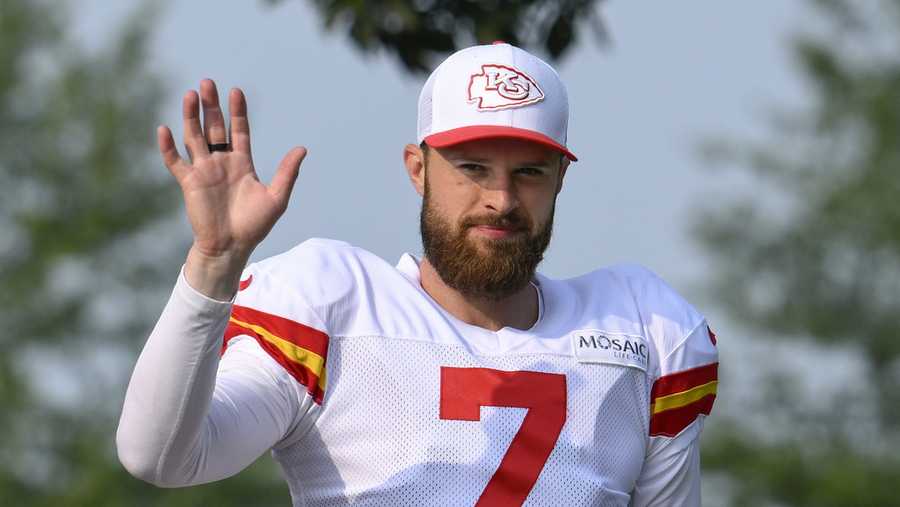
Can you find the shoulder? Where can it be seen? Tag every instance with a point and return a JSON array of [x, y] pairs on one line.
[[639, 288], [320, 255], [667, 315], [320, 280], [686, 376], [292, 303], [674, 328], [319, 267]]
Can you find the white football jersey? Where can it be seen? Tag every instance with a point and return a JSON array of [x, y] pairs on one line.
[[397, 402]]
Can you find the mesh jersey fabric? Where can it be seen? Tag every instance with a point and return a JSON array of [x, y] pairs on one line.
[[368, 346]]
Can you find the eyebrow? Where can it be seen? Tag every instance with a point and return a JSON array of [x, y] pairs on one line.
[[476, 160], [464, 158], [538, 164]]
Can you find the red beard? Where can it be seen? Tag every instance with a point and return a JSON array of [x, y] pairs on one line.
[[493, 270]]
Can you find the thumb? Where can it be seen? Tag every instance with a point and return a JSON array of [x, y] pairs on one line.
[[286, 175]]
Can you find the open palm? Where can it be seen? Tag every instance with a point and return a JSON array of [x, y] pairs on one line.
[[229, 209]]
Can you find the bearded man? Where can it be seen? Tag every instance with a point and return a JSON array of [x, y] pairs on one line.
[[463, 377]]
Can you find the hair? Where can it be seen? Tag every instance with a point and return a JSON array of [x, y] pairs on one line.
[[425, 150]]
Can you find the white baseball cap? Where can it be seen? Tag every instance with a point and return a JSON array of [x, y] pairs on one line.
[[491, 91]]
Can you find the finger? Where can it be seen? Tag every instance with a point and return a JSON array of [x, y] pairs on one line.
[[240, 125], [286, 175], [193, 135], [213, 121], [174, 163]]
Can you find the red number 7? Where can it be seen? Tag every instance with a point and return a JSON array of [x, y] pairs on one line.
[[465, 390]]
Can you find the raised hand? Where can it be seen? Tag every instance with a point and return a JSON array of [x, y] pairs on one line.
[[229, 209]]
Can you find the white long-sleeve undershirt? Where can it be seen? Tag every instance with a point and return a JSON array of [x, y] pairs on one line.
[[187, 419]]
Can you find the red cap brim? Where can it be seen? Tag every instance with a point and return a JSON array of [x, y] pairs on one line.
[[475, 132]]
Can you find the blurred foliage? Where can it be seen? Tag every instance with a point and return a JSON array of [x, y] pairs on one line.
[[810, 473], [815, 251], [420, 32], [86, 259]]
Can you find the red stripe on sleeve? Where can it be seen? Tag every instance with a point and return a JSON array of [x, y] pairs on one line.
[[684, 380], [672, 422], [299, 334]]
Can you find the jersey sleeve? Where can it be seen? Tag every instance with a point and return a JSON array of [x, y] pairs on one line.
[[685, 378], [283, 326], [681, 398], [291, 304]]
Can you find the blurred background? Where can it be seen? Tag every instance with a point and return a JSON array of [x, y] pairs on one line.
[[749, 152]]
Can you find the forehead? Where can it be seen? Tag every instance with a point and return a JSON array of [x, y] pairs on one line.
[[514, 151]]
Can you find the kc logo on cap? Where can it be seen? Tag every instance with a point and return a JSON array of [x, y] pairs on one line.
[[500, 87], [494, 91]]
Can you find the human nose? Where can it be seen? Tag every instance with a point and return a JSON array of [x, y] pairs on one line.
[[500, 195]]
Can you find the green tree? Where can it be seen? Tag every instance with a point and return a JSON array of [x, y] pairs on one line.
[[819, 256], [83, 203], [419, 32]]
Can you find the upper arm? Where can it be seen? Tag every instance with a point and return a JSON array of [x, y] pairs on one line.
[[685, 372], [671, 472], [680, 400]]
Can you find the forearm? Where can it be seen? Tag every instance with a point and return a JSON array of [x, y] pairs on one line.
[[172, 385]]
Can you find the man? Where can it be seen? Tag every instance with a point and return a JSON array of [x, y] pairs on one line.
[[460, 378]]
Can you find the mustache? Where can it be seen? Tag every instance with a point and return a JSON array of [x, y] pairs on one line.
[[513, 220]]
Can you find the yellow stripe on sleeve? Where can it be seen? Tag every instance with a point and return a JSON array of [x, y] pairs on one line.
[[683, 398], [309, 359]]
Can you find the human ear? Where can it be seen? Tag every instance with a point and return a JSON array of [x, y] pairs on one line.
[[563, 166], [414, 160]]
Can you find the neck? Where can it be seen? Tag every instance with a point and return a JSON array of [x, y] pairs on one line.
[[519, 310]]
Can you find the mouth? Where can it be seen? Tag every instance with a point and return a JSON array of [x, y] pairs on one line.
[[496, 232]]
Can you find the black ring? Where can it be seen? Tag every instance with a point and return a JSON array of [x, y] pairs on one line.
[[217, 147]]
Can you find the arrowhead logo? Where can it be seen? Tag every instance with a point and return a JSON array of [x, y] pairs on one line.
[[502, 87], [245, 283]]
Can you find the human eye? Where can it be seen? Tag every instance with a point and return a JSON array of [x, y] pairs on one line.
[[472, 167], [531, 171]]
